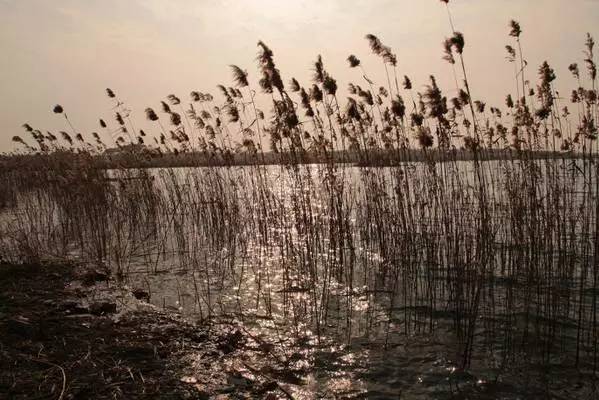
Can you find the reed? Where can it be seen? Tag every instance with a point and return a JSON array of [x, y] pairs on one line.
[[502, 253]]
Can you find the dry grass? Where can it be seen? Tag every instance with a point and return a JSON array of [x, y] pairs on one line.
[[506, 252]]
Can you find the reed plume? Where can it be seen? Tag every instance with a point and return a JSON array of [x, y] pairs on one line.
[[239, 76], [353, 61], [151, 115]]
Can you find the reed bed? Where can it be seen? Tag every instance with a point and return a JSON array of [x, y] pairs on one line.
[[497, 255]]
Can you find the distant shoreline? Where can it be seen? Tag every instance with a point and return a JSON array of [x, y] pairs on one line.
[[374, 158]]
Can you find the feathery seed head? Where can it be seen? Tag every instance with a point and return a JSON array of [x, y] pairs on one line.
[[151, 115], [195, 96], [240, 77], [515, 29], [375, 44], [458, 42], [573, 68], [316, 93], [329, 85], [319, 72], [353, 61], [174, 100], [175, 119], [294, 85]]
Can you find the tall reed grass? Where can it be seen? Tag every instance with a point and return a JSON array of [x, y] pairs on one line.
[[504, 252]]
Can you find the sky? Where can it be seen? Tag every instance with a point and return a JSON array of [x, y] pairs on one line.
[[69, 51]]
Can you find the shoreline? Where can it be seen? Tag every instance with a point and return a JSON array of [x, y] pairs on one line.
[[146, 158], [62, 337]]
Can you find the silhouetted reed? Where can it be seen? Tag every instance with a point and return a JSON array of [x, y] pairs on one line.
[[491, 234]]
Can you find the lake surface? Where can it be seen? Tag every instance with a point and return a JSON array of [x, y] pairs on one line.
[[451, 280]]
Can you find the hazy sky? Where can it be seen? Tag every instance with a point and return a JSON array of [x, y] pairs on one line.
[[69, 51]]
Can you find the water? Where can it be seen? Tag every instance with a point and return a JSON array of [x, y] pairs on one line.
[[367, 275]]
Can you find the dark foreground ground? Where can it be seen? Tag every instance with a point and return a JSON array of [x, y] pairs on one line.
[[59, 339]]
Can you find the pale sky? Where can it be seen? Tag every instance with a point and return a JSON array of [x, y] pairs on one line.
[[69, 51]]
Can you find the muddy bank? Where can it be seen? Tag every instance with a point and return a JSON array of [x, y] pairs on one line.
[[66, 333]]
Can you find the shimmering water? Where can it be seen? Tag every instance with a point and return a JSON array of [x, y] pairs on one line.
[[367, 279]]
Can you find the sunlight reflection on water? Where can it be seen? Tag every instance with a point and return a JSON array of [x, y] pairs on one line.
[[287, 277], [274, 298]]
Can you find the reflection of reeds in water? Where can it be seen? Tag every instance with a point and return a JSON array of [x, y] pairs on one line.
[[505, 253]]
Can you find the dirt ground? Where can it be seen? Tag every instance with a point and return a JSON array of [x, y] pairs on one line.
[[56, 342]]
